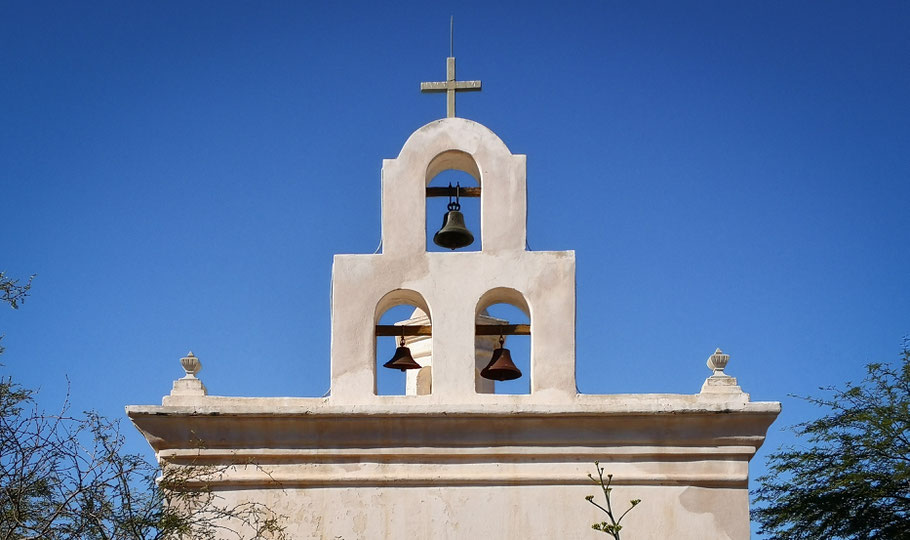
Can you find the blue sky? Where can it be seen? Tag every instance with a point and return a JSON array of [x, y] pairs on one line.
[[179, 176]]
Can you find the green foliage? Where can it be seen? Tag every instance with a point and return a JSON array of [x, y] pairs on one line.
[[613, 526], [12, 293], [65, 477], [851, 476]]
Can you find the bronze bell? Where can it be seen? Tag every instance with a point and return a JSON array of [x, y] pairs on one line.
[[501, 367], [402, 358], [453, 234]]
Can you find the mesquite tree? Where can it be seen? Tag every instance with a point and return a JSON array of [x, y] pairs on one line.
[[64, 476], [849, 477]]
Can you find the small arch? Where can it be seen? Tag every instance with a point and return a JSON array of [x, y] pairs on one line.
[[398, 297], [503, 295], [504, 305], [402, 306], [453, 160]]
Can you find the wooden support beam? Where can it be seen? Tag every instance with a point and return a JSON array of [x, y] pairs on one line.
[[480, 330], [505, 329], [410, 330], [444, 192]]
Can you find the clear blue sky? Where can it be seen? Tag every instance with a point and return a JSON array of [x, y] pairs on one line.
[[179, 175]]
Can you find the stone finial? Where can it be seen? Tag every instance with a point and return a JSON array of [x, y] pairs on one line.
[[719, 382], [192, 365], [716, 362], [189, 384]]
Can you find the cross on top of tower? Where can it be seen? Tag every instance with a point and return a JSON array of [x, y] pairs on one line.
[[450, 85]]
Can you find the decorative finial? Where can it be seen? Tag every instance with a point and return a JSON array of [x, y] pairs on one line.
[[191, 365], [450, 85], [717, 362], [188, 386], [720, 385]]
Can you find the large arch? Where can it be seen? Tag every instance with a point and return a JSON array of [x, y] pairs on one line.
[[438, 133], [462, 145]]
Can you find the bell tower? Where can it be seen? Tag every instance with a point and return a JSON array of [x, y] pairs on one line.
[[452, 288]]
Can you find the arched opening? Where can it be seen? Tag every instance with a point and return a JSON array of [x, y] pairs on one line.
[[503, 310], [458, 169], [403, 314]]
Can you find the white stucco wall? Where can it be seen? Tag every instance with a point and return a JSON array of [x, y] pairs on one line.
[[504, 513]]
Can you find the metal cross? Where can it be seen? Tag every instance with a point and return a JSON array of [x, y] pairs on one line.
[[450, 86]]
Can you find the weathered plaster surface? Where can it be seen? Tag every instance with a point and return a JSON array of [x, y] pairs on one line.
[[504, 513], [513, 469]]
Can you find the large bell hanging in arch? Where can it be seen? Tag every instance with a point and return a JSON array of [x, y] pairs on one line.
[[501, 367], [453, 234], [402, 358]]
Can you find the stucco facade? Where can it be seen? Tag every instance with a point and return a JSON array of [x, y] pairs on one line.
[[455, 460]]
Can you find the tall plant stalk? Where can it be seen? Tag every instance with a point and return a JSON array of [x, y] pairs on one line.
[[611, 527]]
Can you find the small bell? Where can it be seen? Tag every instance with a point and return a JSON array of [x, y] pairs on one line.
[[501, 367], [453, 234], [402, 358]]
